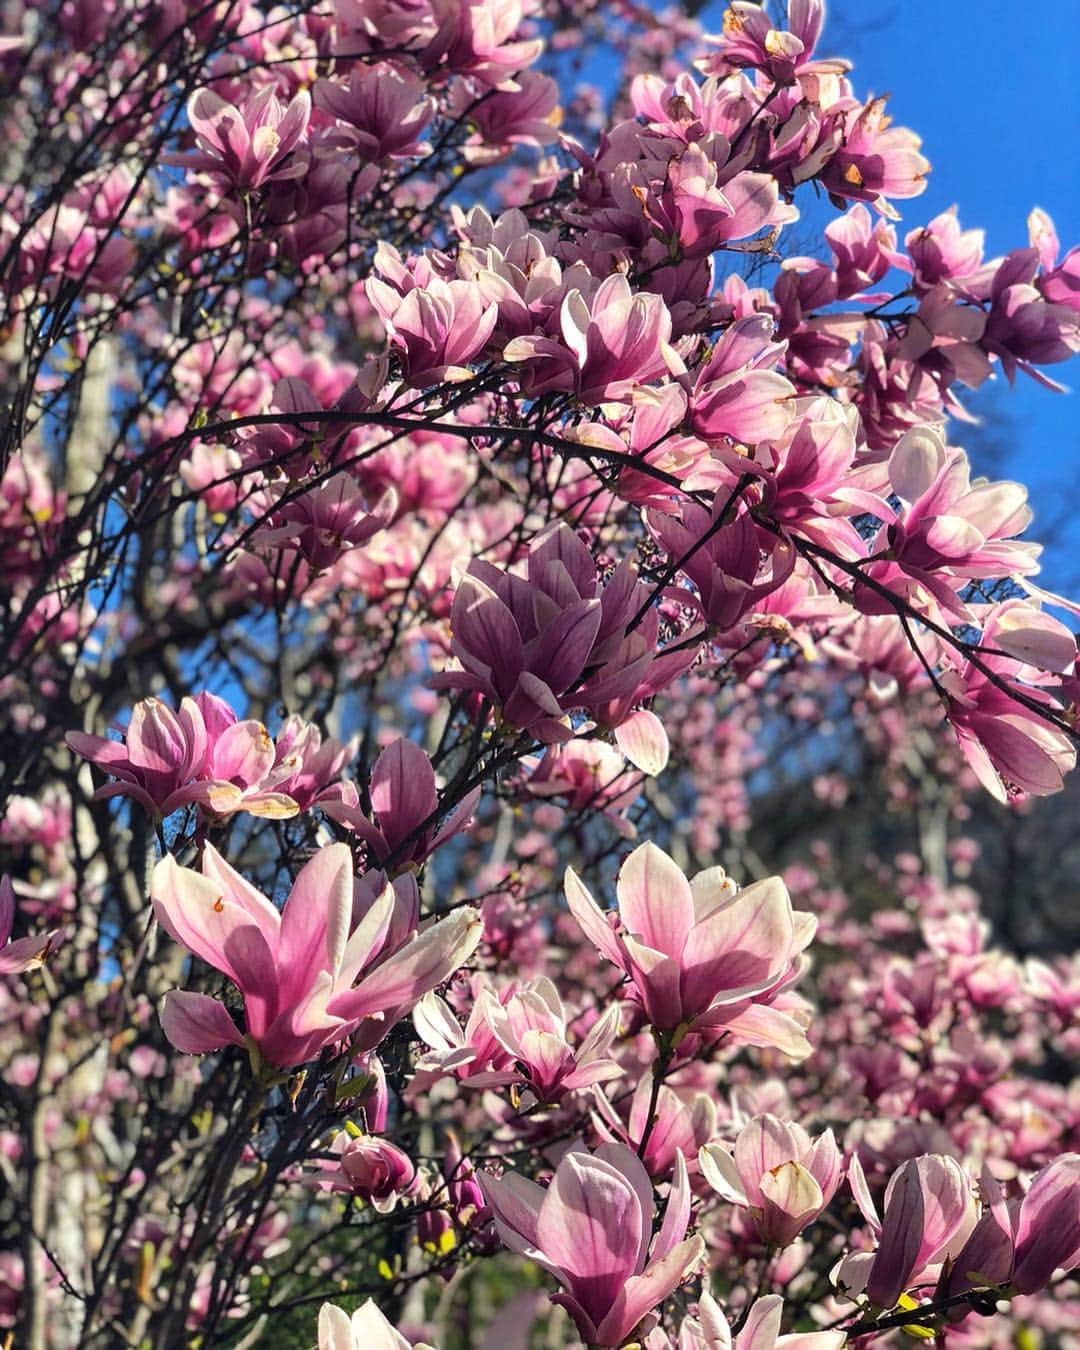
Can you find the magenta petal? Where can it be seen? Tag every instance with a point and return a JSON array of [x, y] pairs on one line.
[[314, 922], [402, 790], [642, 1293], [195, 1023], [655, 901]]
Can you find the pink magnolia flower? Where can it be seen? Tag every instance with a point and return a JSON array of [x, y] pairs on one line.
[[592, 1228], [476, 38], [1023, 329], [875, 160], [437, 328], [384, 106], [523, 641], [942, 251], [324, 522], [1009, 746], [863, 250], [531, 1027], [241, 753], [948, 530], [24, 953], [213, 473], [526, 115], [296, 968], [775, 1172], [160, 761], [928, 1216], [474, 1055], [371, 1168], [607, 345], [404, 802], [250, 146], [709, 1330], [591, 776], [306, 767], [692, 215], [555, 639], [1058, 281], [366, 1329], [1024, 1241], [748, 39], [691, 948], [738, 393], [727, 564], [682, 1123]]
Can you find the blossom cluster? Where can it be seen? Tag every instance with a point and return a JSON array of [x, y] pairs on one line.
[[587, 954]]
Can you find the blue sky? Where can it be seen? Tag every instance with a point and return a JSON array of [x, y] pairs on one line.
[[991, 87]]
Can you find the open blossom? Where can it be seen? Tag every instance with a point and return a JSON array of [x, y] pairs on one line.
[[323, 522], [241, 753], [296, 968], [760, 1330], [700, 954], [540, 645], [775, 1172], [384, 108], [1010, 747], [366, 1329], [948, 529], [749, 39], [607, 344], [248, 146], [160, 761], [875, 160], [592, 1228], [526, 115], [436, 328], [306, 767], [474, 37], [531, 1026], [727, 565], [929, 1213], [738, 394], [1022, 1242], [24, 953], [474, 1055], [681, 1124], [588, 775]]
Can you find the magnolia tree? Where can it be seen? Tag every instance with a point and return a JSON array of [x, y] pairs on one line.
[[433, 496]]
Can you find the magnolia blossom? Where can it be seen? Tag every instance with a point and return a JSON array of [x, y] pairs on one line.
[[708, 1329], [323, 522], [607, 344], [373, 1169], [296, 968], [928, 1216], [1009, 745], [555, 639], [948, 530], [1022, 1242], [777, 1174], [366, 1329], [531, 1026], [250, 146], [681, 1123], [161, 760], [700, 954], [592, 1228]]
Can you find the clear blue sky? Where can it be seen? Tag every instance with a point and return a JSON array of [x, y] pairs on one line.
[[992, 88]]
